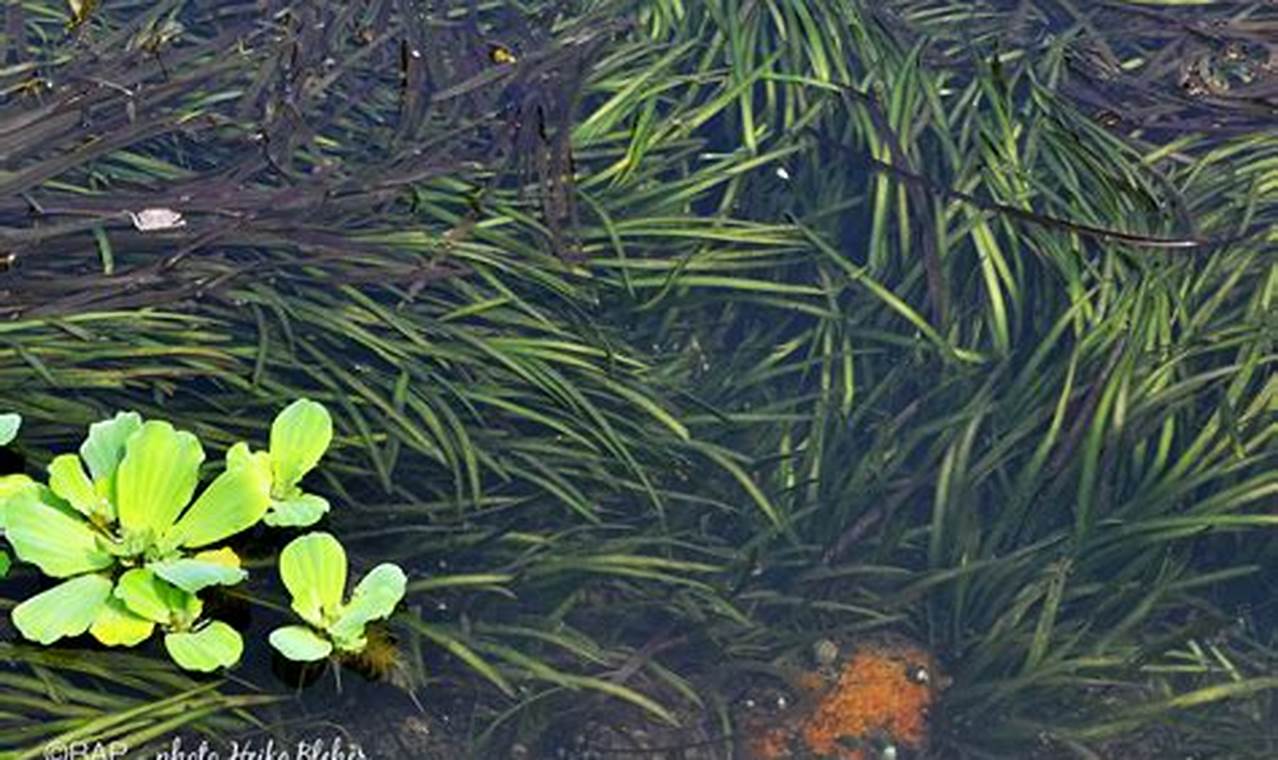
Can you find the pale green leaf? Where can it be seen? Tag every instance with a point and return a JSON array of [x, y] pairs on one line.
[[4, 564], [313, 568], [9, 424], [157, 477], [191, 575], [103, 449], [215, 645], [299, 643], [11, 486], [59, 543], [157, 600], [298, 512], [299, 436], [240, 455], [224, 556], [68, 480], [67, 609], [374, 598], [117, 625], [235, 501]]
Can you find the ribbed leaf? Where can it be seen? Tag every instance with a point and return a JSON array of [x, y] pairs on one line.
[[157, 477], [374, 598], [57, 542], [191, 575], [299, 437], [298, 512], [157, 600], [299, 643], [67, 609], [236, 500], [117, 625], [9, 424], [313, 568], [11, 486], [103, 449], [214, 646], [68, 480]]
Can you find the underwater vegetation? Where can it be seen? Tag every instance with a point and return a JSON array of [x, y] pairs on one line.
[[659, 342]]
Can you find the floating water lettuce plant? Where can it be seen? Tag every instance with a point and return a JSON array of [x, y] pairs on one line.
[[313, 568], [299, 437], [131, 545], [127, 542]]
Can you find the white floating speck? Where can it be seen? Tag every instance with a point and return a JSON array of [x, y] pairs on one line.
[[156, 219]]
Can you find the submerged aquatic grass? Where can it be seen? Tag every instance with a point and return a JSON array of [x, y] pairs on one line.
[[671, 340]]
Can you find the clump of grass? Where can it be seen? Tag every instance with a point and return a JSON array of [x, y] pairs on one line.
[[813, 326]]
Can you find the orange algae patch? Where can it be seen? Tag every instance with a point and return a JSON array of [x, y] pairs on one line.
[[883, 693], [877, 693]]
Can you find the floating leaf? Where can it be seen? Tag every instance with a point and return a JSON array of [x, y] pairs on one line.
[[236, 500], [374, 598], [68, 480], [299, 512], [117, 625], [214, 646], [191, 575], [67, 609], [157, 477], [299, 643], [103, 449], [9, 424], [313, 568], [155, 599], [11, 486], [57, 542], [299, 437]]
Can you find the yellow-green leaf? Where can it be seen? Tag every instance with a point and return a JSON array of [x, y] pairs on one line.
[[313, 568], [59, 543], [374, 598], [116, 625], [68, 480], [299, 437], [236, 500], [157, 477], [214, 646], [299, 643], [67, 609]]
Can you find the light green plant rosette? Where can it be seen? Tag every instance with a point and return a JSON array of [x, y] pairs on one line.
[[131, 544], [313, 568], [299, 437]]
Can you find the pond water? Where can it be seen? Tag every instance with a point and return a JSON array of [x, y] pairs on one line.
[[729, 379]]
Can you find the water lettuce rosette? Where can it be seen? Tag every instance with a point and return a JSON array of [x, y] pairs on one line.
[[299, 437], [130, 543], [313, 568]]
